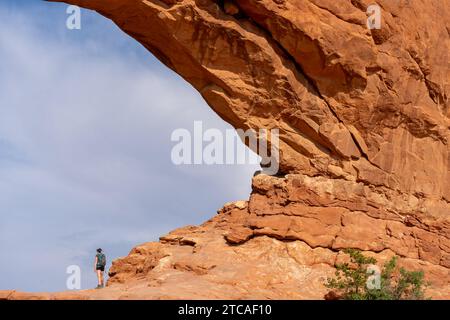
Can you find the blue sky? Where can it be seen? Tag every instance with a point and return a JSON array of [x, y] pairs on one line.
[[85, 123]]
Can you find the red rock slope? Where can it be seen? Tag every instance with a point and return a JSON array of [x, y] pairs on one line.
[[364, 152]]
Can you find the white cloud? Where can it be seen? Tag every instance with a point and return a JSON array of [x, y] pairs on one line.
[[85, 150]]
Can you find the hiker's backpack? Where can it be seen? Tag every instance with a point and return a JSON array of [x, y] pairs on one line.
[[101, 260]]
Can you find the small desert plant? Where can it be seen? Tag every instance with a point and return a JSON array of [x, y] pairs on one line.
[[353, 281]]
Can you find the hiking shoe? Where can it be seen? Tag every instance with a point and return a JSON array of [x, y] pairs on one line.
[[98, 287]]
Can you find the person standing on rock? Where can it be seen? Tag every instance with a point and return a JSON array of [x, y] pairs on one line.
[[100, 263]]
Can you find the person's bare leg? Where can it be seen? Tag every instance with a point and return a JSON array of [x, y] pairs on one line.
[[99, 277], [102, 280]]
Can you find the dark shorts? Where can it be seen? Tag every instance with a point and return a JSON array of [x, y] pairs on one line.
[[101, 268]]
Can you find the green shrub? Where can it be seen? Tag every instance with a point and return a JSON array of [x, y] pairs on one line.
[[352, 279]]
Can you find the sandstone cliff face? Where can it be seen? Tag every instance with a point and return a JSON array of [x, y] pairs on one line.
[[364, 121], [283, 243]]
